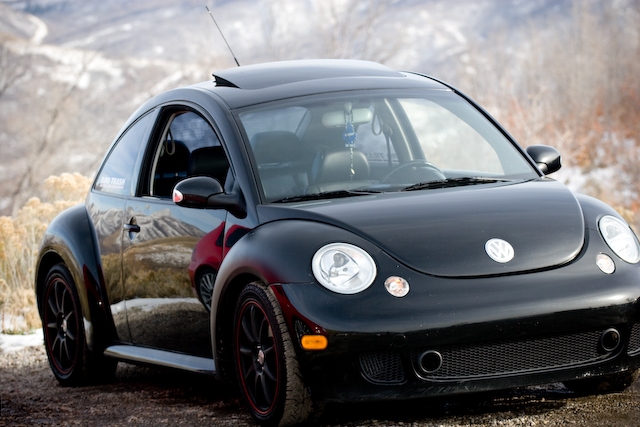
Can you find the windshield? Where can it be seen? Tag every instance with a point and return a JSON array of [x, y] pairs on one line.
[[355, 143]]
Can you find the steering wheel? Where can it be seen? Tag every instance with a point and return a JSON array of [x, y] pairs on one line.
[[414, 172]]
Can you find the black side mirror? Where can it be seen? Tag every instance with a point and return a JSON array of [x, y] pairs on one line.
[[547, 158], [207, 192]]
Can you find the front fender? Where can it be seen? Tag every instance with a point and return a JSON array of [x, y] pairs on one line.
[[278, 252], [594, 209], [71, 239]]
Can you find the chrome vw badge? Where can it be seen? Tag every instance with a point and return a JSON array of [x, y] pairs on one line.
[[499, 250]]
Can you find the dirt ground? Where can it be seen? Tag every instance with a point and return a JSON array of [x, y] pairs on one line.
[[141, 396]]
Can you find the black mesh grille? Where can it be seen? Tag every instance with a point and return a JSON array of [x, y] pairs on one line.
[[634, 340], [510, 357], [383, 367]]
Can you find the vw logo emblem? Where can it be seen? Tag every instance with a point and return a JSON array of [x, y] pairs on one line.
[[499, 250]]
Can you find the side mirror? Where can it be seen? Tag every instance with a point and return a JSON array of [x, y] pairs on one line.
[[207, 192], [194, 192], [547, 158]]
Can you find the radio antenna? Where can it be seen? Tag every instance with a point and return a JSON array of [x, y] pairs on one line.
[[225, 40]]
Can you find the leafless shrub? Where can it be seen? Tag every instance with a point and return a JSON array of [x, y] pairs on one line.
[[573, 86], [20, 238]]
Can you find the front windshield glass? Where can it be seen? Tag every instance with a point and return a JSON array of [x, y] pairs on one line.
[[374, 141]]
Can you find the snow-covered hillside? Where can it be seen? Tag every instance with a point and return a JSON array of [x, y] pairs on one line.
[[84, 66]]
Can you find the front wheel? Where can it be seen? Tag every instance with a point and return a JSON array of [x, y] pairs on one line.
[[64, 337], [266, 363], [605, 384]]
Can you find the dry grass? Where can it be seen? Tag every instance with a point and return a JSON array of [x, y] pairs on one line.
[[20, 238]]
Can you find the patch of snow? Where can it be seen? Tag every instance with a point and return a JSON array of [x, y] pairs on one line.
[[148, 304], [9, 343], [5, 202]]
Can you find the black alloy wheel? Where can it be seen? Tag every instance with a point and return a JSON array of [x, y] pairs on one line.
[[266, 363], [64, 336], [61, 322]]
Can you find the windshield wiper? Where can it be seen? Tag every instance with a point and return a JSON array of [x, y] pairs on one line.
[[454, 182], [327, 195]]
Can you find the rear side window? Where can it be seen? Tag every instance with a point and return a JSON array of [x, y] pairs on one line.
[[116, 175]]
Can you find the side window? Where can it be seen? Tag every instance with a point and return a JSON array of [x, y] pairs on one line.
[[116, 175], [188, 147]]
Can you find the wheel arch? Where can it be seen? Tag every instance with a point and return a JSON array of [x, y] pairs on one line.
[[268, 255], [71, 239], [221, 317]]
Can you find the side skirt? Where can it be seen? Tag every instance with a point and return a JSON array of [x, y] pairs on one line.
[[168, 359]]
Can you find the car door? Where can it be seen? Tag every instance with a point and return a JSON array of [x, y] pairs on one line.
[[164, 310], [106, 203]]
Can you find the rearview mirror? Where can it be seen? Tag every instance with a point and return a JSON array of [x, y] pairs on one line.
[[547, 158]]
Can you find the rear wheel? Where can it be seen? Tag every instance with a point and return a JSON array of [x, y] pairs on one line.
[[266, 364], [64, 337], [606, 384]]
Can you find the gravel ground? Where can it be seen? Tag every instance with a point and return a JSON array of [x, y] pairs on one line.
[[139, 396]]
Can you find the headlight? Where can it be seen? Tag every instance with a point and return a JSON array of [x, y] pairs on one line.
[[343, 268], [620, 238]]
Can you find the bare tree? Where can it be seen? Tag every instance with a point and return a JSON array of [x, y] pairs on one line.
[[13, 65], [354, 29]]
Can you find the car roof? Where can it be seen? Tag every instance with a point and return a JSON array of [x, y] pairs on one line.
[[255, 84]]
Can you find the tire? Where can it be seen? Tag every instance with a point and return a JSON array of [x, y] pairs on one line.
[[64, 337], [606, 384], [266, 365]]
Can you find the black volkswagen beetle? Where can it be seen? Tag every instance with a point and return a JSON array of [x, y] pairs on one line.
[[335, 230]]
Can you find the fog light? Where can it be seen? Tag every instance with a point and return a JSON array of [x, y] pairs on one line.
[[605, 263], [610, 340], [397, 286], [430, 361], [314, 342]]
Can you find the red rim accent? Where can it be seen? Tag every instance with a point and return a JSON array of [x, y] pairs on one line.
[[246, 363]]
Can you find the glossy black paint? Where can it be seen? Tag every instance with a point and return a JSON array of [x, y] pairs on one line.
[[137, 259], [547, 158], [71, 239]]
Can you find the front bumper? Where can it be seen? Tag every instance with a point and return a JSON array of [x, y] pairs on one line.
[[489, 333]]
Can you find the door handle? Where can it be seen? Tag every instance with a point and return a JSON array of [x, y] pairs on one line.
[[132, 228]]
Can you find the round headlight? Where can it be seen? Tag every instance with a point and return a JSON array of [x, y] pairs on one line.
[[343, 268], [620, 238]]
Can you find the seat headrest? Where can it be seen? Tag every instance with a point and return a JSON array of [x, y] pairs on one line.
[[333, 166], [276, 147], [208, 161]]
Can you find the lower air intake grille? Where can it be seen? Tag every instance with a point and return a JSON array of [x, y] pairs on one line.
[[512, 357], [383, 367], [634, 340]]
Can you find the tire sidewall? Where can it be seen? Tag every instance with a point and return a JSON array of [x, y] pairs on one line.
[[60, 274], [253, 294]]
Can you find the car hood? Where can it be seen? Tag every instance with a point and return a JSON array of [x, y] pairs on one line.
[[443, 232]]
